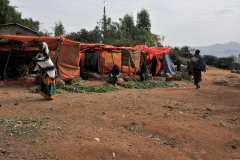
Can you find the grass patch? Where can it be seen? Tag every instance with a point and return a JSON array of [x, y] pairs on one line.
[[148, 84], [19, 125]]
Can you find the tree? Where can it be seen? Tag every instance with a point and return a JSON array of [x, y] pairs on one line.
[[9, 14], [30, 23], [239, 58], [58, 29], [4, 5], [143, 20], [128, 25], [210, 60]]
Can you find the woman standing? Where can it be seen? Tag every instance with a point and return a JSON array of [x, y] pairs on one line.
[[47, 74]]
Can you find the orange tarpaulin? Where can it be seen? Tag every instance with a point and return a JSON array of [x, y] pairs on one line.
[[67, 58], [70, 52], [155, 51]]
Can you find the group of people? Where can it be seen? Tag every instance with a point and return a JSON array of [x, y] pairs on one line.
[[194, 68], [114, 73]]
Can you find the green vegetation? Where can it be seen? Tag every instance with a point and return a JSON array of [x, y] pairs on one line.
[[19, 125], [182, 54], [148, 84], [77, 88], [9, 14], [35, 89], [223, 63], [122, 33]]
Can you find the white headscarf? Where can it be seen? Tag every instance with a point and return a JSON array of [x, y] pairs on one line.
[[44, 61]]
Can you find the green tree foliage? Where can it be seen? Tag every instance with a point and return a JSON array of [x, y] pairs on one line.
[[58, 29], [238, 58], [128, 26], [122, 33], [225, 62], [182, 54], [143, 20], [210, 60], [9, 14], [30, 23]]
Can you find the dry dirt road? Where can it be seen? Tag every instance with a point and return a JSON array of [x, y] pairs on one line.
[[161, 123]]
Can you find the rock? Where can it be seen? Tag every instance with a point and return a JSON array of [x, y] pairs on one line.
[[72, 81], [97, 139], [137, 77], [127, 78], [120, 81], [209, 109], [234, 146], [177, 77], [60, 83], [233, 71], [3, 151], [16, 103], [169, 77]]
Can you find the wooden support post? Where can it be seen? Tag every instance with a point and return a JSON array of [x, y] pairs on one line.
[[7, 61]]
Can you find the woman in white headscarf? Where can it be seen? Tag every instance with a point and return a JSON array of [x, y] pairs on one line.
[[47, 72]]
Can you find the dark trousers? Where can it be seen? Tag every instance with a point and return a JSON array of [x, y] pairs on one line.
[[197, 76]]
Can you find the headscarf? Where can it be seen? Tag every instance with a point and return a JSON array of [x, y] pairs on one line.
[[43, 60], [115, 70]]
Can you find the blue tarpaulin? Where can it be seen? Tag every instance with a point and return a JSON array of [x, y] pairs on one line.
[[168, 65]]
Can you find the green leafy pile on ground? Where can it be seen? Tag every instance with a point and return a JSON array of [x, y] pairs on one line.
[[148, 84], [78, 88], [35, 89]]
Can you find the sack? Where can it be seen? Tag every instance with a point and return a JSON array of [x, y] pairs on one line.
[[193, 61]]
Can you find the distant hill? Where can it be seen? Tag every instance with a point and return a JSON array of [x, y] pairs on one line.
[[220, 50]]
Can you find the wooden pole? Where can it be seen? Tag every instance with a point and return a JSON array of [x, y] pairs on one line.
[[7, 61], [102, 65], [129, 63], [57, 52]]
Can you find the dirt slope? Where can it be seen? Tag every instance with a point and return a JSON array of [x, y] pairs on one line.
[[161, 123]]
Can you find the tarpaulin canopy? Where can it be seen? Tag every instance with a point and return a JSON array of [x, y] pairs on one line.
[[155, 51], [63, 52], [66, 54]]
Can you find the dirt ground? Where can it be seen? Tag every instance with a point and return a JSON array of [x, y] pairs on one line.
[[161, 123]]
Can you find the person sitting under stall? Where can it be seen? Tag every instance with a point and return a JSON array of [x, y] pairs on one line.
[[113, 75], [144, 71]]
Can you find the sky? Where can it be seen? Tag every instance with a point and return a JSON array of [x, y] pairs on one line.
[[182, 22]]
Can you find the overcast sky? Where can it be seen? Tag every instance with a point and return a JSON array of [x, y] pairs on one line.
[[183, 22]]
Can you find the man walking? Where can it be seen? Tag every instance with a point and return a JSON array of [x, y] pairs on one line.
[[199, 66]]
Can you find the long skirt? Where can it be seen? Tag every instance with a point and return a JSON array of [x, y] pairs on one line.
[[47, 86]]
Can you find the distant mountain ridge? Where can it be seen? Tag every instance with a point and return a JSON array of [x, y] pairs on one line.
[[220, 50]]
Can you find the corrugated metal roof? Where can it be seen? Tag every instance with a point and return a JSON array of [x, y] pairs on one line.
[[18, 25]]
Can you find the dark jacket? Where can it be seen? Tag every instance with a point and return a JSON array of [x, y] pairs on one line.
[[201, 65]]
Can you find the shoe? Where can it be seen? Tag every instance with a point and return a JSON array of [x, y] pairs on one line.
[[197, 86]]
